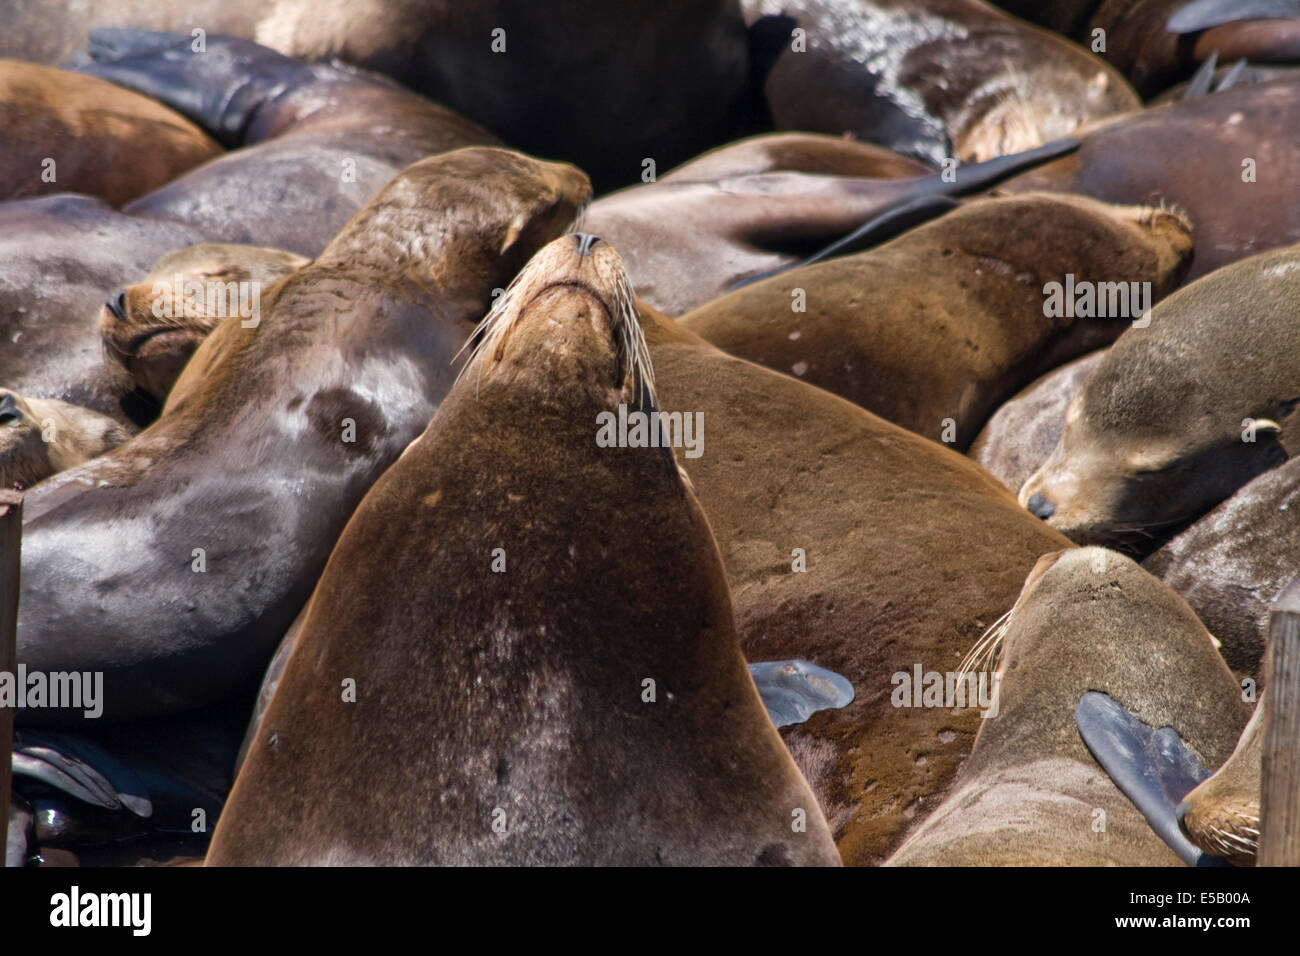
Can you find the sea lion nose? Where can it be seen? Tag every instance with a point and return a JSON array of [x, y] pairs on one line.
[[117, 306], [586, 242], [1040, 507]]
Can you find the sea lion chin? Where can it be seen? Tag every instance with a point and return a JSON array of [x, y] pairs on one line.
[[585, 701]]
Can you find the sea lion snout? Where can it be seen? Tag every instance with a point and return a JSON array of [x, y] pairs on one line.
[[1040, 507], [585, 243], [117, 305]]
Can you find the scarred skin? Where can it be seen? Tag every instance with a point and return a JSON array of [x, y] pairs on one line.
[[932, 78]]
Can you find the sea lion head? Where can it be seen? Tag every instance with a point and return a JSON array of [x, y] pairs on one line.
[[152, 327], [518, 204], [1092, 619], [569, 316], [40, 437]]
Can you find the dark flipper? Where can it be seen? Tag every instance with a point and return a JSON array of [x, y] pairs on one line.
[[1203, 14], [1152, 767], [220, 88], [793, 691], [926, 199], [897, 218], [80, 768]]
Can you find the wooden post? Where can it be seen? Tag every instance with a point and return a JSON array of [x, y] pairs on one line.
[[11, 535], [1279, 837]]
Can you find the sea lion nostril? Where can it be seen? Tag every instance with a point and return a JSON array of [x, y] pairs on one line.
[[586, 242], [117, 306], [1040, 507]]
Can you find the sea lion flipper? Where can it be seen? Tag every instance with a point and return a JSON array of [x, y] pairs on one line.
[[220, 87], [1203, 14], [792, 691], [1153, 768], [81, 769], [976, 177]]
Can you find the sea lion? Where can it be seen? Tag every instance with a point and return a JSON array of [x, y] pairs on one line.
[[323, 142], [932, 78], [1030, 793], [1025, 429], [689, 238], [1168, 425], [1235, 156], [195, 543], [978, 277], [40, 437], [836, 531], [531, 739], [152, 327], [1233, 563], [64, 132], [319, 140], [1221, 816], [1157, 42], [647, 79]]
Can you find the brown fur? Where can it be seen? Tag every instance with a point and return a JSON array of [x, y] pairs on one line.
[[150, 350], [75, 435], [1221, 816], [1232, 564], [1210, 136], [521, 690], [270, 438], [1155, 436], [105, 141], [1025, 429], [744, 209], [912, 550], [948, 319], [1087, 619]]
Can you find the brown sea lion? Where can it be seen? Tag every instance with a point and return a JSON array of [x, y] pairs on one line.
[[1236, 159], [196, 543], [931, 78], [933, 329], [1156, 42], [1025, 429], [836, 531], [1181, 413], [690, 238], [323, 142], [42, 436], [1234, 562], [152, 327], [1031, 794], [64, 132], [1221, 816], [319, 140], [531, 736], [561, 80]]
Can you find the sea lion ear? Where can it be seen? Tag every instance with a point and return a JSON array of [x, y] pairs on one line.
[[513, 232], [1267, 425]]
